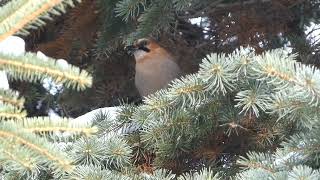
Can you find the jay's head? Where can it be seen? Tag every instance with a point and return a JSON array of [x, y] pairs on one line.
[[146, 49]]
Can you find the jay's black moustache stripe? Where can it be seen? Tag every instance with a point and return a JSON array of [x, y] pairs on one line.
[[144, 49]]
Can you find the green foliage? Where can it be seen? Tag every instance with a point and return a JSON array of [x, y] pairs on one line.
[[29, 67], [218, 70], [11, 112], [35, 152], [9, 97], [203, 174], [89, 173], [130, 9], [152, 16], [113, 27], [113, 150], [155, 18], [46, 126]]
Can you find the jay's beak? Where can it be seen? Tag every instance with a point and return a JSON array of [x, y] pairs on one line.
[[130, 49]]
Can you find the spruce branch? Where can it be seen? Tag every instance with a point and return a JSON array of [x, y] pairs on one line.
[[19, 159], [294, 172], [304, 172], [157, 17], [254, 99], [180, 5], [97, 172], [141, 115], [243, 59], [259, 174], [90, 172], [31, 68], [293, 81], [44, 125], [258, 161], [125, 113], [205, 173], [20, 15], [128, 9], [287, 72], [118, 153], [53, 158], [105, 122], [288, 106], [88, 151], [11, 112], [169, 136], [159, 174], [188, 91], [217, 71], [111, 149], [303, 147], [280, 73], [157, 102], [299, 149], [10, 97]]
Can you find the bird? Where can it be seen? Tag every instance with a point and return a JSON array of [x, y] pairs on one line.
[[155, 66]]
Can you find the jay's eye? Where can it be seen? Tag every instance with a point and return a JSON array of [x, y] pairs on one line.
[[142, 45]]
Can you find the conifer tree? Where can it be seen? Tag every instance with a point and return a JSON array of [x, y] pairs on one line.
[[242, 115]]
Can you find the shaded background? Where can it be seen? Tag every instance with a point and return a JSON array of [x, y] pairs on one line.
[[92, 36]]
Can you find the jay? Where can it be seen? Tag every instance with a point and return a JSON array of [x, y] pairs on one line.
[[155, 67]]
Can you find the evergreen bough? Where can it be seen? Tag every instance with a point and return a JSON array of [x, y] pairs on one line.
[[270, 100]]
